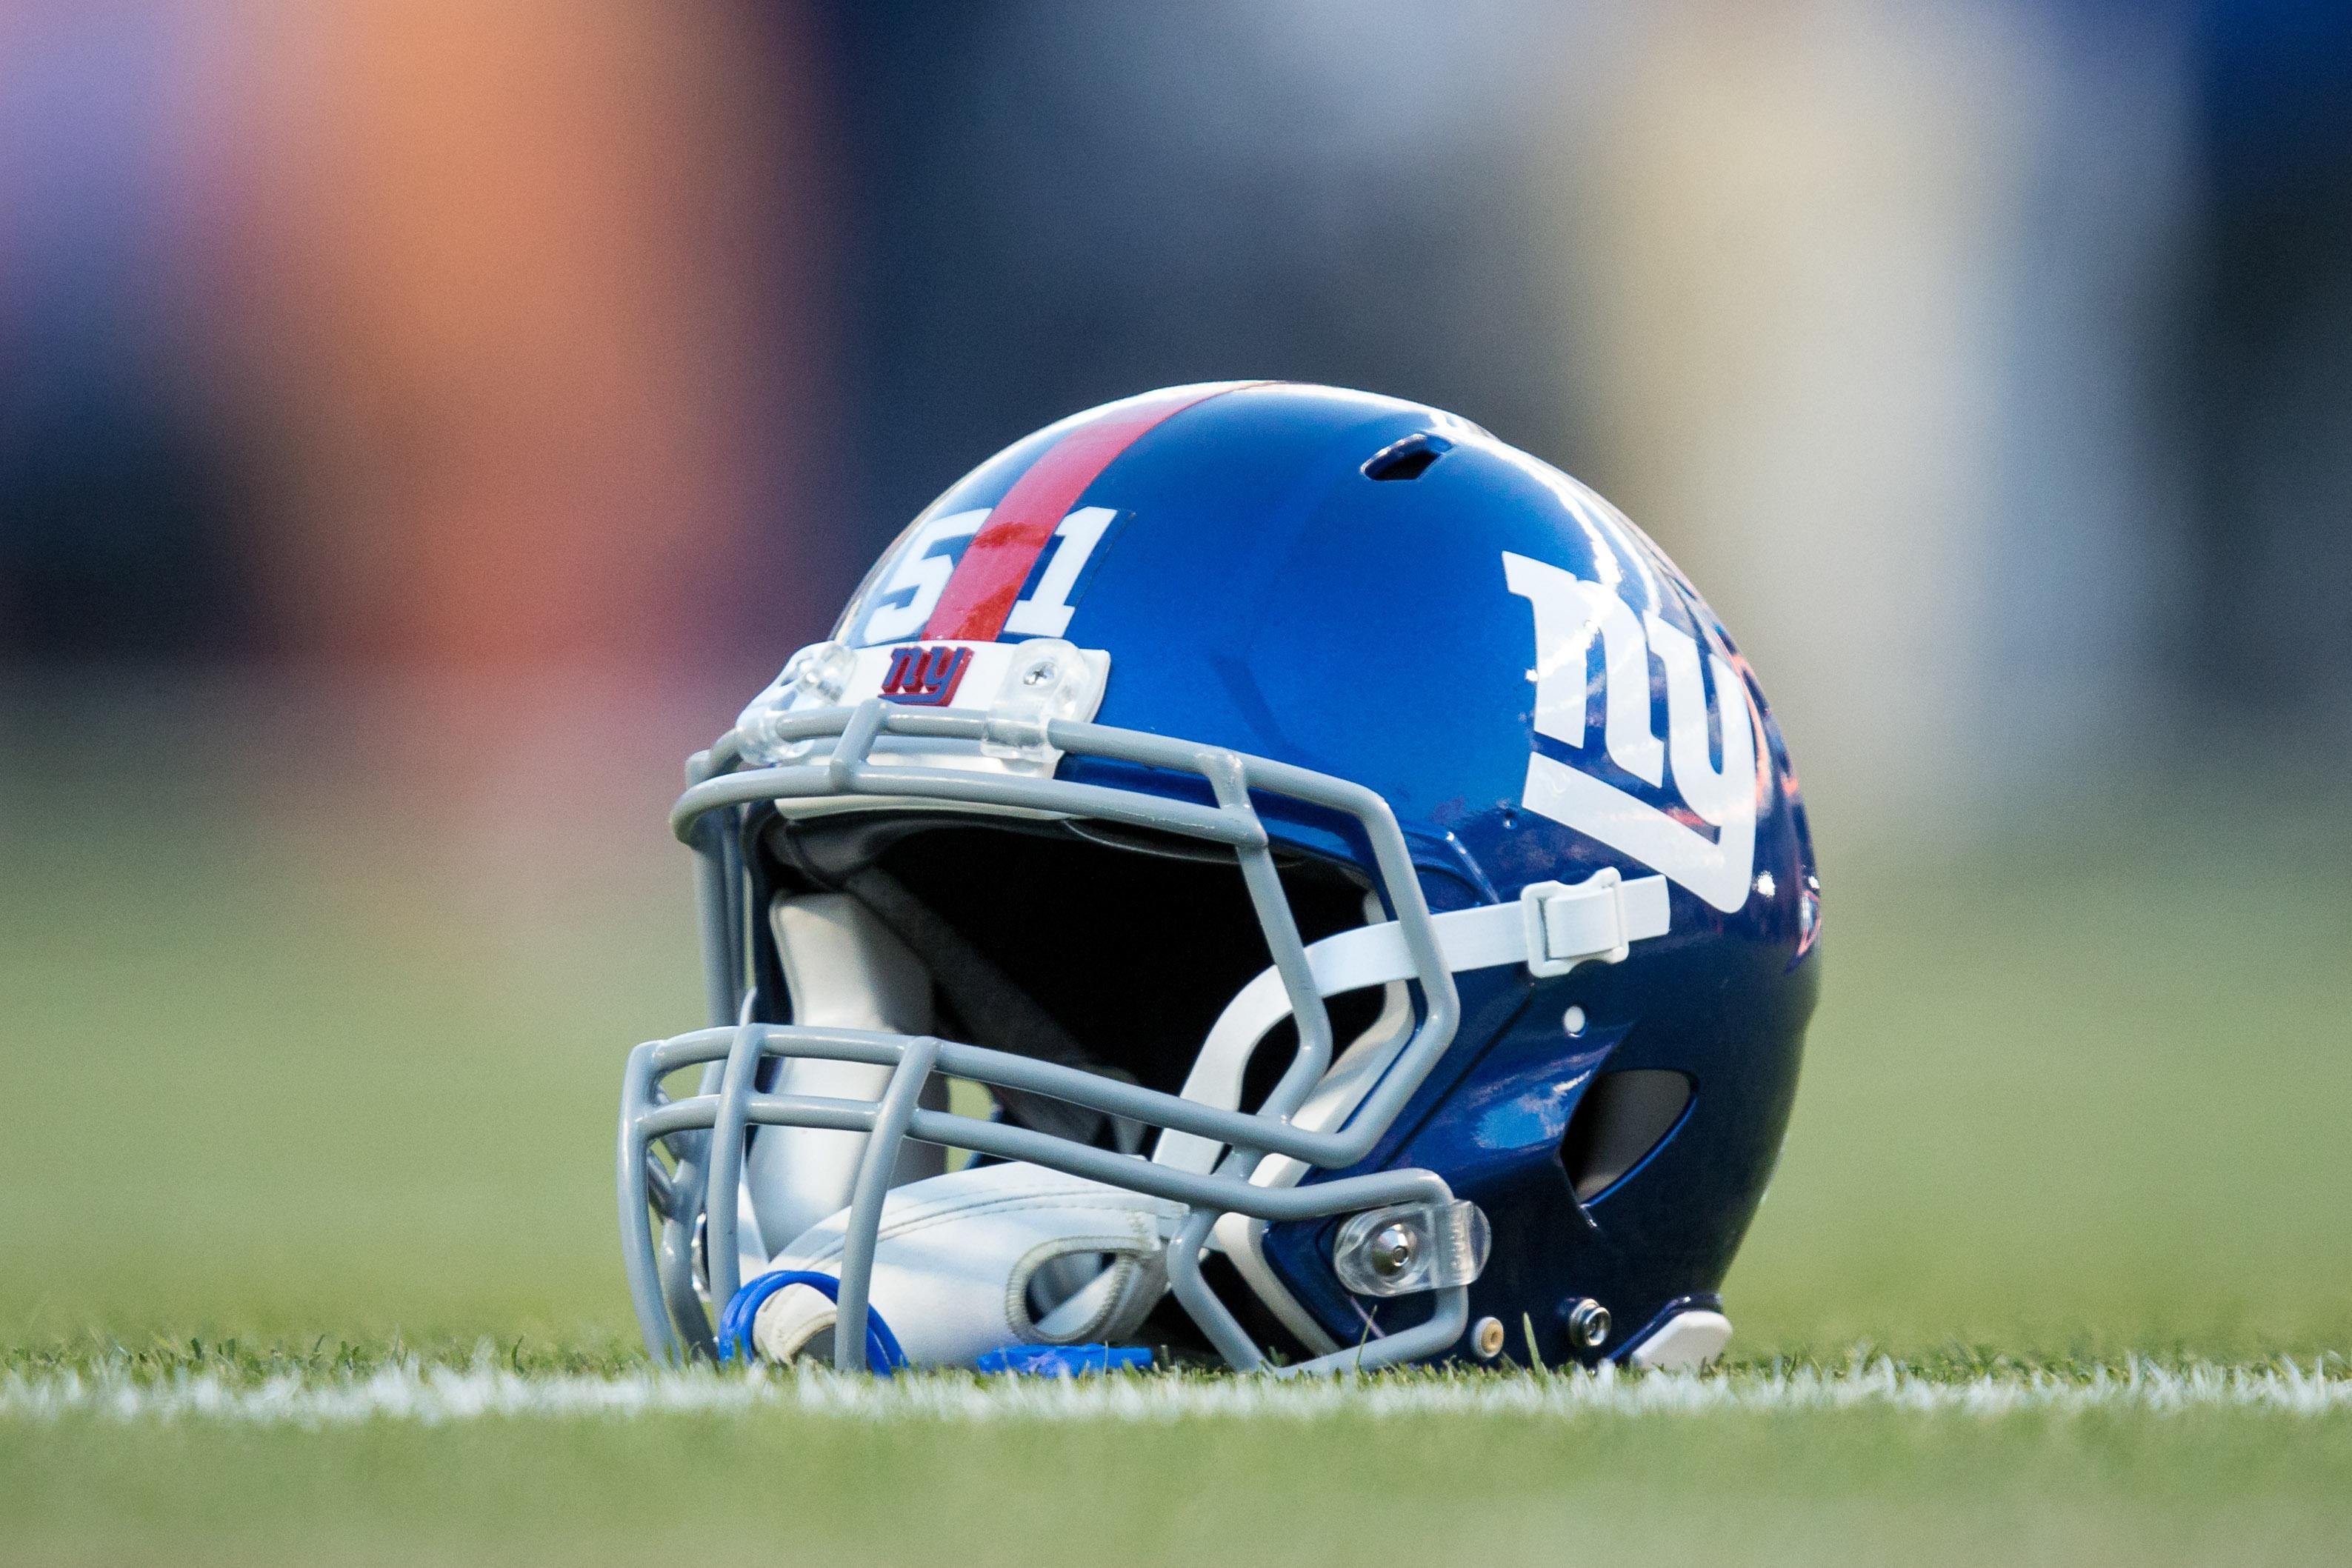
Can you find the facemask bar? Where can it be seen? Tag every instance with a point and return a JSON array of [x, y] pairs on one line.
[[705, 1131]]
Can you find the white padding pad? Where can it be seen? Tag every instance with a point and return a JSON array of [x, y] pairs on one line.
[[843, 969], [957, 1255]]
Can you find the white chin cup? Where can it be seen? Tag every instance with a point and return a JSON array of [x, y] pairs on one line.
[[984, 1258]]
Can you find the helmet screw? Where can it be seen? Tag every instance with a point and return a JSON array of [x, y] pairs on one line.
[[1587, 1322], [1486, 1338], [1572, 1020], [1392, 1250], [1038, 673]]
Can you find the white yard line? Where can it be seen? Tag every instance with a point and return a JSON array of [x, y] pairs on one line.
[[433, 1393]]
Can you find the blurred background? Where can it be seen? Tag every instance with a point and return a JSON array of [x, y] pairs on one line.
[[421, 423]]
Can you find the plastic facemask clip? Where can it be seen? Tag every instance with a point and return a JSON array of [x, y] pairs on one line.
[[817, 676], [1411, 1246], [1051, 680]]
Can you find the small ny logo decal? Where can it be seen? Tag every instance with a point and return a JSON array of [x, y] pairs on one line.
[[924, 676]]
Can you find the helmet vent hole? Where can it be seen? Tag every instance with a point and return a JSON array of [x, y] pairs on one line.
[[1622, 1117], [1406, 459]]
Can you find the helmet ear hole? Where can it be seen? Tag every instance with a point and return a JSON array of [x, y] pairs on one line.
[[1622, 1117]]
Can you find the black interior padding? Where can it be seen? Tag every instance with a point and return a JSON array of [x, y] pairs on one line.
[[1134, 954], [997, 1013], [1056, 941]]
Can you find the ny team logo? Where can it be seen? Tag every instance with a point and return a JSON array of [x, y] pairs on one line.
[[1570, 614], [924, 676]]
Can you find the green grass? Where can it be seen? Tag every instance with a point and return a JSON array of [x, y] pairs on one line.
[[780, 1482], [297, 1063], [783, 1488]]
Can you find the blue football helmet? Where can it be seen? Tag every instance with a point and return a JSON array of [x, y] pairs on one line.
[[1258, 871]]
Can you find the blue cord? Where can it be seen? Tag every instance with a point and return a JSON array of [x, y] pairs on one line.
[[883, 1355]]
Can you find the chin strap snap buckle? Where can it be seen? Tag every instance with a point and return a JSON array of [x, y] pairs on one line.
[[1596, 920]]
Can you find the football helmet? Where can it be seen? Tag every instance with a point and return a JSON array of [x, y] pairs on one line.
[[1263, 871]]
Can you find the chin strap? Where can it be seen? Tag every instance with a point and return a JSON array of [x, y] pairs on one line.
[[1551, 928]]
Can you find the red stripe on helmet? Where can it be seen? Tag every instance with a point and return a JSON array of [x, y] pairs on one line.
[[979, 595]]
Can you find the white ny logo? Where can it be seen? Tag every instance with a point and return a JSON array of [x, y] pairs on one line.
[[1568, 614]]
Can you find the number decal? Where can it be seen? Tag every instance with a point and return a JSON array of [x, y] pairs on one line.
[[900, 603], [903, 600], [1046, 607]]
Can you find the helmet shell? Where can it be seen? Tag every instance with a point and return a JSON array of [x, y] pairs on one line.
[[1266, 585]]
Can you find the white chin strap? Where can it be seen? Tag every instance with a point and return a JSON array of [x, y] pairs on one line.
[[1551, 929], [975, 1261], [981, 1258]]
